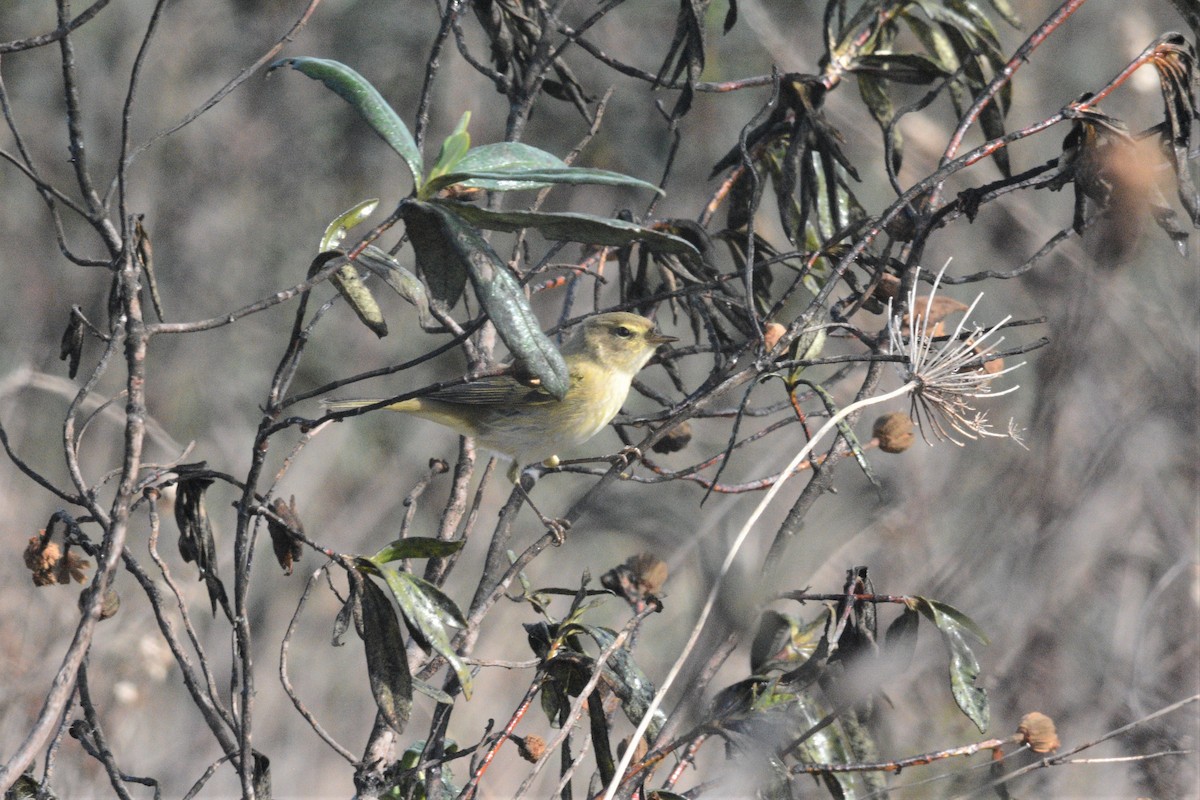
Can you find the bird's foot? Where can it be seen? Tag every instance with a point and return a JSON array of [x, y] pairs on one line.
[[623, 460], [557, 527]]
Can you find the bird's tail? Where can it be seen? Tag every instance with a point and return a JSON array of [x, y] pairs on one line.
[[345, 404]]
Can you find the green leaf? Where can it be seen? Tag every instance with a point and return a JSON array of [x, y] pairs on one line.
[[573, 227], [515, 178], [505, 157], [433, 693], [367, 101], [453, 149], [498, 291], [335, 232], [415, 547], [438, 261], [1006, 12], [964, 666], [945, 614], [429, 614], [387, 666]]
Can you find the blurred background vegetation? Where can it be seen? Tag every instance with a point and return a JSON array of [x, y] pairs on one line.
[[1078, 556]]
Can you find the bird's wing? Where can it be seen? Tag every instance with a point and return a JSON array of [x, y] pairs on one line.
[[493, 390]]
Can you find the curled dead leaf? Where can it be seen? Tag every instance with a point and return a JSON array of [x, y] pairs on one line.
[[48, 565], [772, 333], [937, 310], [286, 546]]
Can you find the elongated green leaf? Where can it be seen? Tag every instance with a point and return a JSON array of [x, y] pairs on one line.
[[568, 226], [415, 547], [387, 666], [366, 99], [515, 178], [504, 156], [453, 149], [432, 692], [451, 237], [964, 666], [964, 671], [430, 614], [439, 263]]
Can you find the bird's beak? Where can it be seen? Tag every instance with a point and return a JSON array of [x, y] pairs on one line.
[[655, 338]]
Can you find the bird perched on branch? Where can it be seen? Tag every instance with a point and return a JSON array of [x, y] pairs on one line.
[[523, 422]]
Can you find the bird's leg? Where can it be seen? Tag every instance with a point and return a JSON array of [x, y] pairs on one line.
[[558, 527]]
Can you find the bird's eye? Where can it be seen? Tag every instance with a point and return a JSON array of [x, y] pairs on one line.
[[623, 332]]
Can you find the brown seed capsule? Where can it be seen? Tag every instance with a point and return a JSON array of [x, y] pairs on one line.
[[531, 748], [109, 605], [1038, 732], [888, 287], [675, 439], [894, 432]]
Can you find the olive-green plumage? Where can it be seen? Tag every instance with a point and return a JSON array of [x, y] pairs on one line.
[[525, 423]]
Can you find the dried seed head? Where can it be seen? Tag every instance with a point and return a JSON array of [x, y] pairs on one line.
[[945, 370], [531, 748], [1037, 731], [894, 432]]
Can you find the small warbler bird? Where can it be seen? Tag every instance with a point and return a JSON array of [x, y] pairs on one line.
[[525, 423]]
